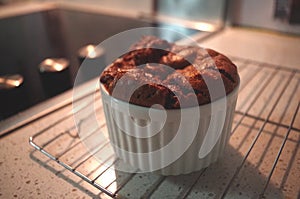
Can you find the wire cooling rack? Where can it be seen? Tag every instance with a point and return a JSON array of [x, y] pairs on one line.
[[262, 159]]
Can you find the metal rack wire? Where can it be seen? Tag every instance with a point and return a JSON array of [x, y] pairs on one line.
[[261, 161]]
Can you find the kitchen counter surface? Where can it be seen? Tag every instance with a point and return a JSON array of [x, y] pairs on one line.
[[24, 172], [264, 46]]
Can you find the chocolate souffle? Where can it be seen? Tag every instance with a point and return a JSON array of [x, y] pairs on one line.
[[170, 68]]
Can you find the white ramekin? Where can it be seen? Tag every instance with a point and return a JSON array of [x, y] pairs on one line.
[[190, 160]]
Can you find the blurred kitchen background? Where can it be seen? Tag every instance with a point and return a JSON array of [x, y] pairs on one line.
[[43, 43]]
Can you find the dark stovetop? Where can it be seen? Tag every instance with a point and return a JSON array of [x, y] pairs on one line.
[[27, 40]]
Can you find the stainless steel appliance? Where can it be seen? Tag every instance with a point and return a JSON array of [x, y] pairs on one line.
[[27, 40]]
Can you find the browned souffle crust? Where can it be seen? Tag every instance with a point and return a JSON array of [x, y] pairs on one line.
[[154, 83]]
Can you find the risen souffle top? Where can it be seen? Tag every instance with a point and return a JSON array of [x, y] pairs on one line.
[[155, 71]]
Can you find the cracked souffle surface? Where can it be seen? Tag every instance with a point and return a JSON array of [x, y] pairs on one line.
[[155, 71]]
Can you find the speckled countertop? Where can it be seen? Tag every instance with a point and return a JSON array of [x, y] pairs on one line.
[[24, 173], [259, 45]]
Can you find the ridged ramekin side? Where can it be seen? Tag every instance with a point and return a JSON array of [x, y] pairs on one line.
[[188, 161]]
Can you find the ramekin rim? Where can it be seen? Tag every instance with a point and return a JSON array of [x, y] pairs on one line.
[[104, 91]]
